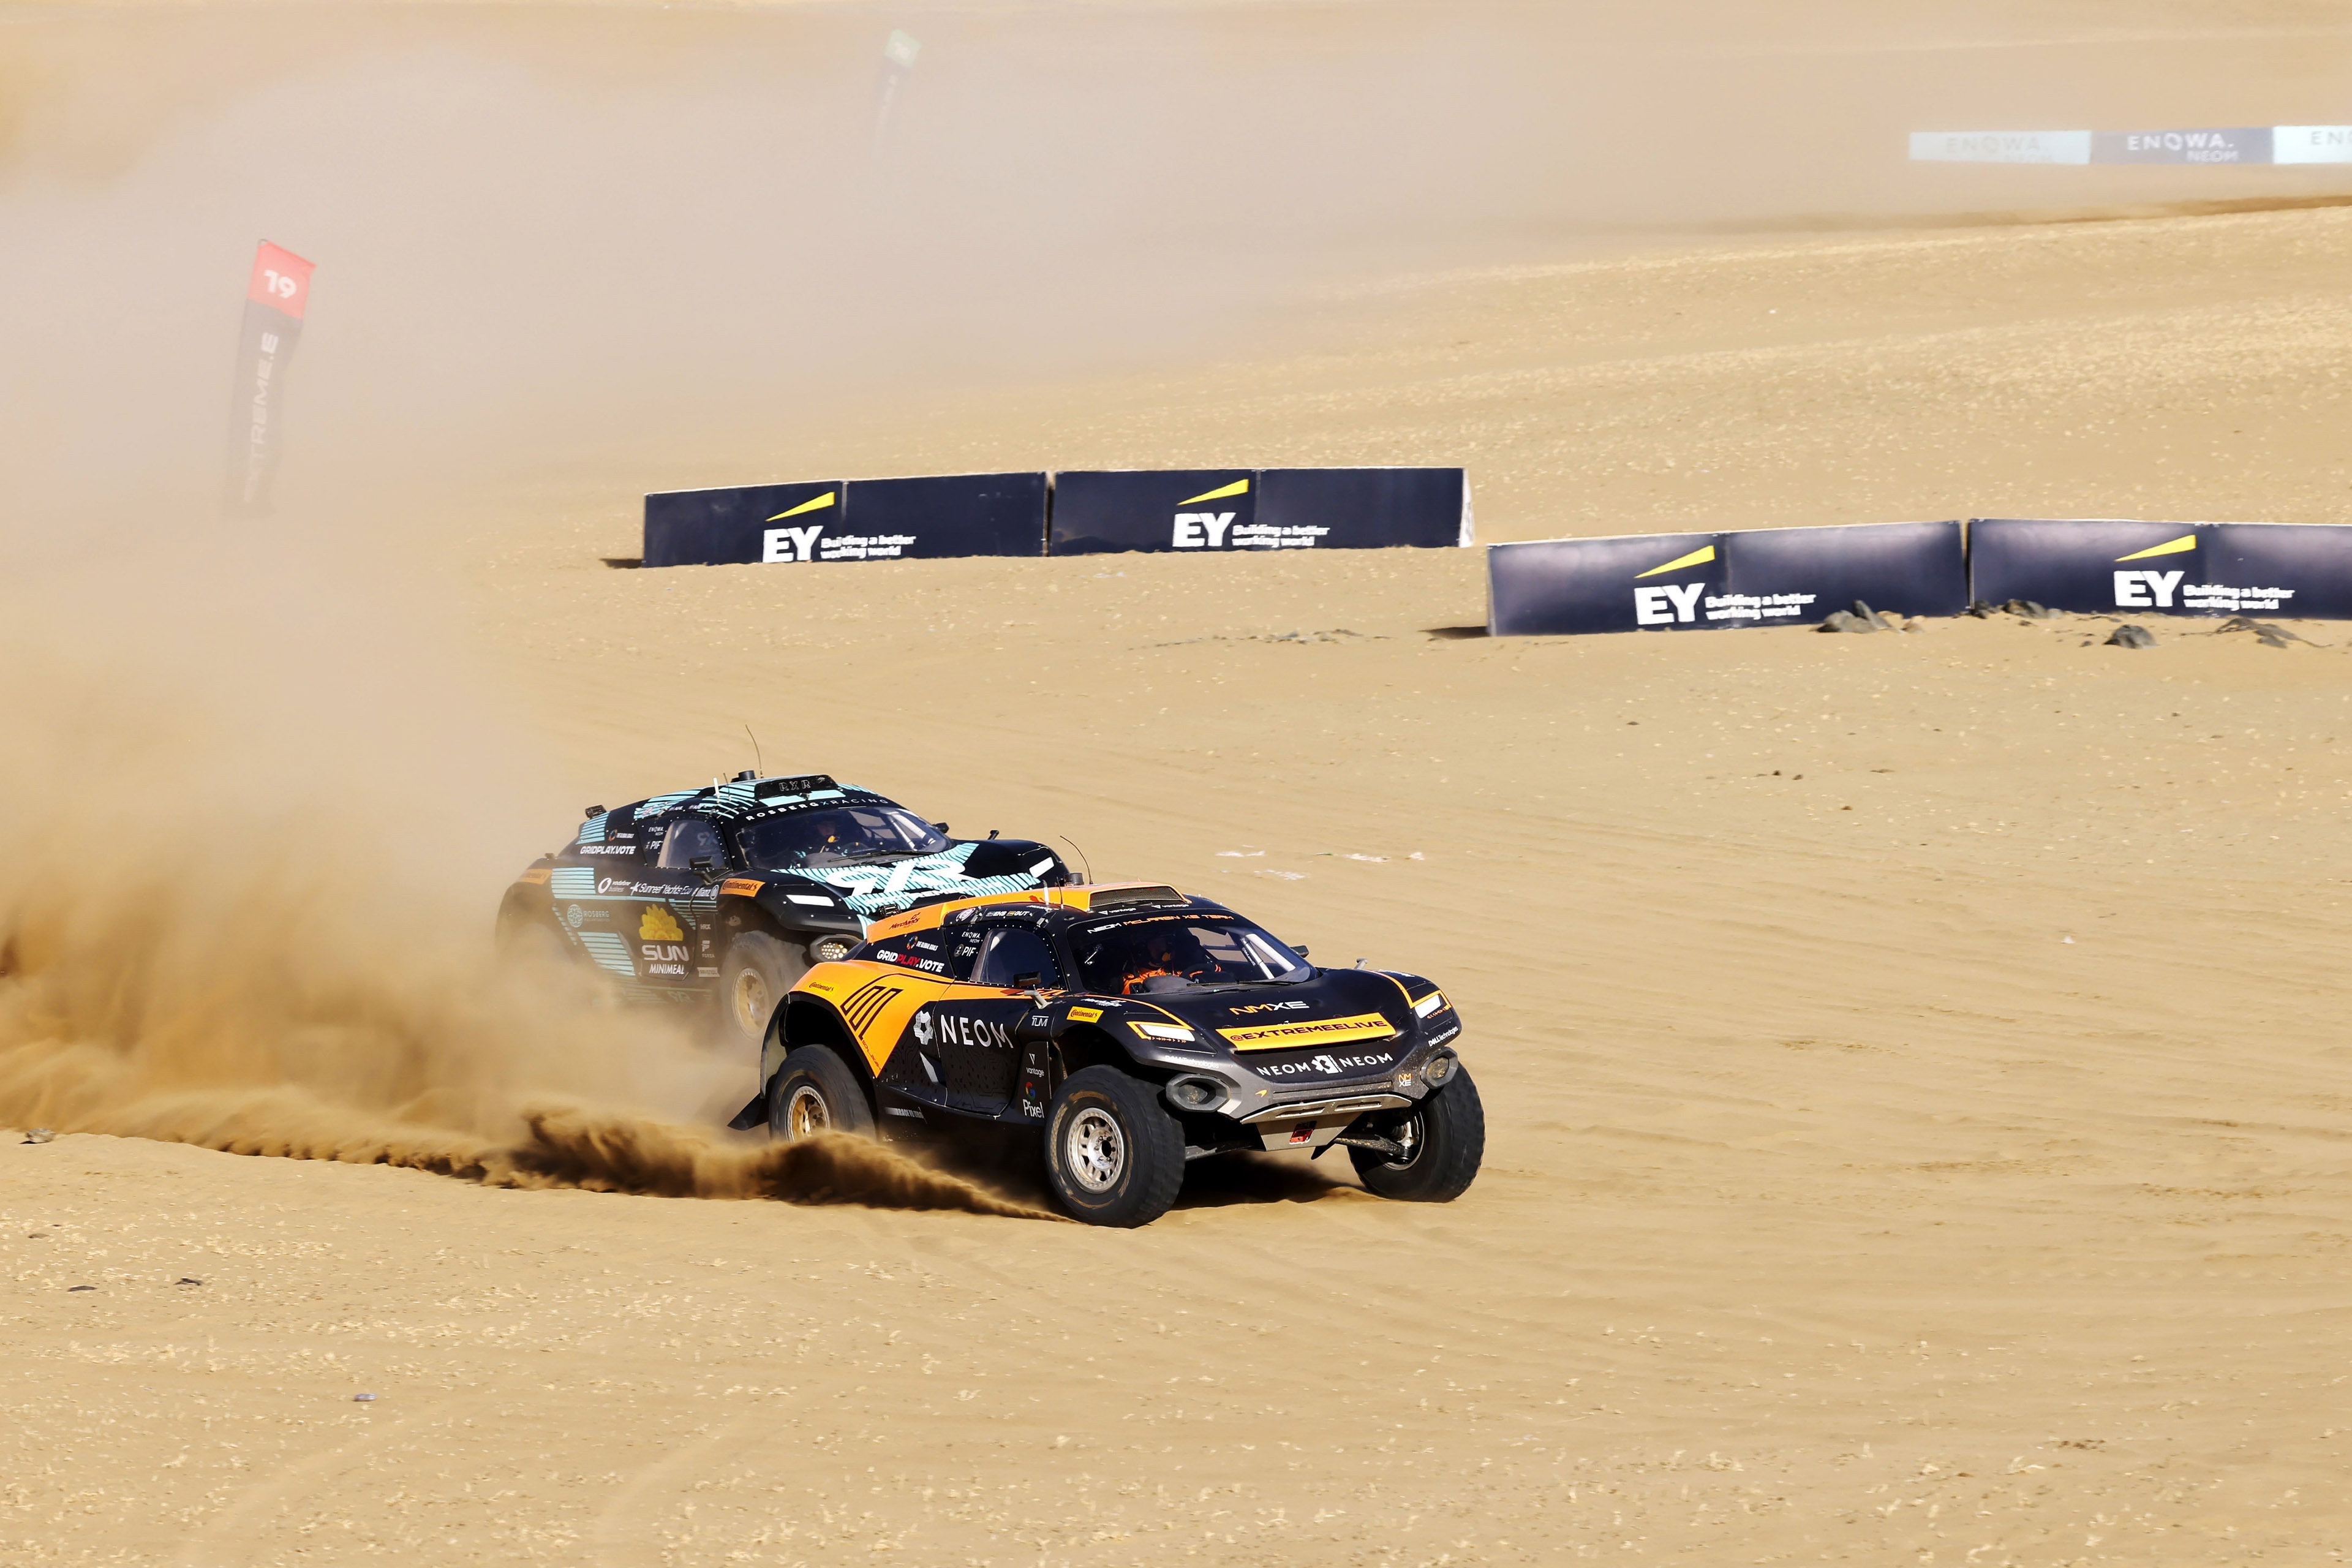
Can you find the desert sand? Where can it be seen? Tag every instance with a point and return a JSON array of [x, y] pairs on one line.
[[1916, 1065]]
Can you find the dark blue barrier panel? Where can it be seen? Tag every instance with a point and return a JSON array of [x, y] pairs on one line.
[[932, 517], [1274, 509], [2103, 566], [1095, 512], [1552, 587], [1710, 581], [2243, 144], [1362, 508]]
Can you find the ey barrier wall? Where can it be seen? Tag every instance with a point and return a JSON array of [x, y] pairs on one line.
[[2103, 566], [1070, 513], [1692, 581], [1697, 582], [932, 517]]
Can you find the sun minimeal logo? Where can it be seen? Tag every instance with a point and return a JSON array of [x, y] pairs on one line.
[[659, 925]]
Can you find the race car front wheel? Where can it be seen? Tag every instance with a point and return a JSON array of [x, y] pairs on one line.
[[758, 971], [1113, 1155], [1443, 1139], [814, 1091]]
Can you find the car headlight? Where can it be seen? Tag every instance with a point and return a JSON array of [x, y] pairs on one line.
[[1432, 1003], [831, 949], [1439, 1068], [1196, 1093], [1175, 1033]]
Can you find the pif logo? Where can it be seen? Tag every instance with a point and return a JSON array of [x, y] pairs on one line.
[[789, 545], [1672, 604], [2152, 590], [1210, 530]]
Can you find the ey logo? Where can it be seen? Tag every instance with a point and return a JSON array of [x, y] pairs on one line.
[[1674, 603], [1206, 529], [2152, 590], [794, 544]]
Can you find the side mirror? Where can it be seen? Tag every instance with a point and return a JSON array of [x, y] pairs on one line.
[[1299, 948], [940, 826], [702, 866], [592, 812]]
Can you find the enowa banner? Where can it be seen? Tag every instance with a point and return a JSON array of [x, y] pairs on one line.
[[2232, 145], [1698, 581], [932, 517], [2111, 565], [1099, 511]]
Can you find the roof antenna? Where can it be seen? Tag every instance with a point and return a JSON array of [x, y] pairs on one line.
[[1082, 858], [760, 767]]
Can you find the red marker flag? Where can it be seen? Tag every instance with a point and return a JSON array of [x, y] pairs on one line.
[[274, 304]]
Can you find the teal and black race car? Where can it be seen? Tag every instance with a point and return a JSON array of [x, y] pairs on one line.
[[730, 893]]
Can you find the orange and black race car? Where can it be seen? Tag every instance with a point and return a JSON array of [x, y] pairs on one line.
[[1138, 1029]]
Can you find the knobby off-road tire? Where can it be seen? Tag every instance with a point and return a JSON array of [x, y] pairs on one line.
[[814, 1091], [1446, 1138], [758, 970], [1113, 1155]]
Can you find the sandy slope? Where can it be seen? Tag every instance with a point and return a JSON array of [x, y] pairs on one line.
[[1919, 1089]]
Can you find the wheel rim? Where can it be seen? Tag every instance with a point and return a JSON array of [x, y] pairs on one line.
[[751, 1006], [806, 1112], [1095, 1150]]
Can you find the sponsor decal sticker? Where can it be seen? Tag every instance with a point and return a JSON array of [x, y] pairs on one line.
[[536, 877], [1327, 1066], [659, 925], [1084, 1015], [1266, 1006], [1309, 1032], [741, 887]]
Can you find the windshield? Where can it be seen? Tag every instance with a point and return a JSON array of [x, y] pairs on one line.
[[841, 836], [1147, 954]]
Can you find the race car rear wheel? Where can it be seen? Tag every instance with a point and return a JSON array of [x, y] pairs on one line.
[[1445, 1139], [759, 969], [1113, 1156], [814, 1091]]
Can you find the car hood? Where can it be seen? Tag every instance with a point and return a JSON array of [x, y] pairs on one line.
[[885, 887], [1339, 1007]]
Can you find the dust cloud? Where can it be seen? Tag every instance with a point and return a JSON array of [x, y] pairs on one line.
[[249, 911]]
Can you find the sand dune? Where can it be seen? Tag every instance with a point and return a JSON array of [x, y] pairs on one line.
[[1916, 1067]]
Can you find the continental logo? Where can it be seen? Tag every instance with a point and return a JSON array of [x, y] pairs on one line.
[[1084, 1015], [741, 887], [659, 925], [1309, 1032], [536, 877]]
